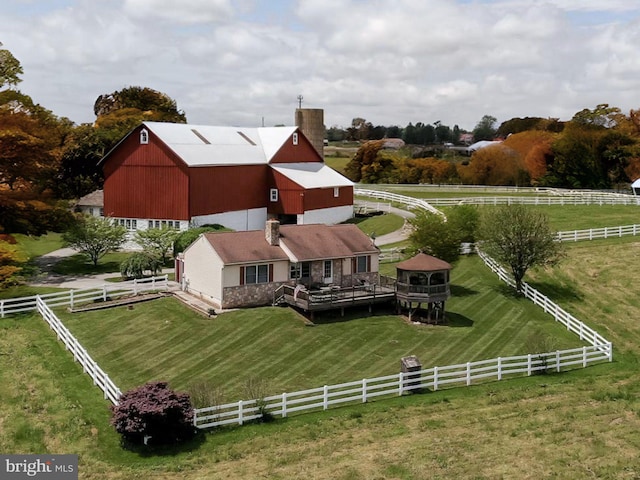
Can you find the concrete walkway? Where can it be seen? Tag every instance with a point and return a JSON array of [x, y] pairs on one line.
[[398, 235]]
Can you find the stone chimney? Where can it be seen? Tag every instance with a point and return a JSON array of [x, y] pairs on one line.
[[272, 232]]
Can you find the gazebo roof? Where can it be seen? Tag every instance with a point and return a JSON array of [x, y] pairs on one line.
[[424, 263]]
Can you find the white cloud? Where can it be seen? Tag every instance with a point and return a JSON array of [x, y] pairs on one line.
[[182, 11], [391, 62]]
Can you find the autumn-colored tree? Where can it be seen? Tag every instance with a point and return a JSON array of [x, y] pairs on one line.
[[32, 139], [534, 148], [9, 263], [369, 165], [425, 170], [498, 165]]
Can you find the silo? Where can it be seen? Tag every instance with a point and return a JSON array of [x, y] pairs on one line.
[[311, 122]]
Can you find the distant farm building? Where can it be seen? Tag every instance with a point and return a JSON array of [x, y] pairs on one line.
[[635, 187]]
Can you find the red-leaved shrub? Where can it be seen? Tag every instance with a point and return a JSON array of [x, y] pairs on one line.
[[153, 414]]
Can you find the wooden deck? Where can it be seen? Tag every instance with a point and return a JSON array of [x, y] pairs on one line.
[[330, 298]]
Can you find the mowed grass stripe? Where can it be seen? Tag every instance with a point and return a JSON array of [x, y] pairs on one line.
[[162, 340]]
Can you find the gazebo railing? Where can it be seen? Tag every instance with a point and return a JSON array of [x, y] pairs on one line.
[[406, 288]]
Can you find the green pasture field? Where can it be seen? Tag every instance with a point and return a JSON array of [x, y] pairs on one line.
[[379, 224], [162, 340], [579, 424], [339, 164], [582, 217]]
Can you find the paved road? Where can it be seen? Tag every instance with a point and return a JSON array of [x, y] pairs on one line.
[[49, 279], [398, 235]]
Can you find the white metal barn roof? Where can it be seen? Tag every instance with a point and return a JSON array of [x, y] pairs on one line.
[[635, 186], [312, 175], [201, 145]]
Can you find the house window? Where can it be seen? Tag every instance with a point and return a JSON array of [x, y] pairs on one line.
[[256, 274], [362, 264], [295, 139], [128, 223], [273, 194], [336, 192], [328, 269], [102, 212], [300, 270], [144, 136]]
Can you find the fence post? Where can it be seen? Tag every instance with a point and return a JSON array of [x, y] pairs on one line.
[[71, 299], [529, 365], [558, 361], [584, 357], [468, 374], [435, 378], [610, 351], [364, 390], [325, 399], [135, 286], [400, 384], [153, 282], [499, 368], [1, 308], [104, 293], [284, 404], [240, 416], [580, 331], [195, 417]]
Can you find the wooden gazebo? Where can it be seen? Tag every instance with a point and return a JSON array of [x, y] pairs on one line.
[[423, 279]]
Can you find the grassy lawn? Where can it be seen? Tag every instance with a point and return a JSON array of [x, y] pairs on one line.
[[337, 163], [163, 340], [31, 246], [80, 265], [379, 224], [580, 424]]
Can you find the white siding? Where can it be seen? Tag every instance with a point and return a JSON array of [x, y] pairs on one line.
[[240, 220], [328, 216], [203, 271]]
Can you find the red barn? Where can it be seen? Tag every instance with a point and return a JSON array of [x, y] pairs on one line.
[[177, 175]]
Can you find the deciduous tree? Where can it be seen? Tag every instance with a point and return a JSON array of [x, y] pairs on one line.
[[95, 237], [520, 238], [156, 241], [485, 129], [10, 68]]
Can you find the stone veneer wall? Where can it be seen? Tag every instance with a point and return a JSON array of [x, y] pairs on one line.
[[357, 278], [255, 295]]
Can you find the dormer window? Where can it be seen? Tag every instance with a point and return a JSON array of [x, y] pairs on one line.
[[295, 138], [144, 136]]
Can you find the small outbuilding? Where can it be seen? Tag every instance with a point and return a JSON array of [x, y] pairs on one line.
[[635, 187], [423, 279]]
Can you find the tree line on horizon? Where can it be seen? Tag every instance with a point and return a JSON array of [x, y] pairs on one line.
[[47, 161], [598, 148]]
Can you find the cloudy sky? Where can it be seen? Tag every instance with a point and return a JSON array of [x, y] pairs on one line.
[[237, 62]]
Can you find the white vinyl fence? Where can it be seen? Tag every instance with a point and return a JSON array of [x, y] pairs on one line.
[[597, 233], [76, 297], [582, 198], [574, 325], [80, 355], [465, 374], [435, 378]]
